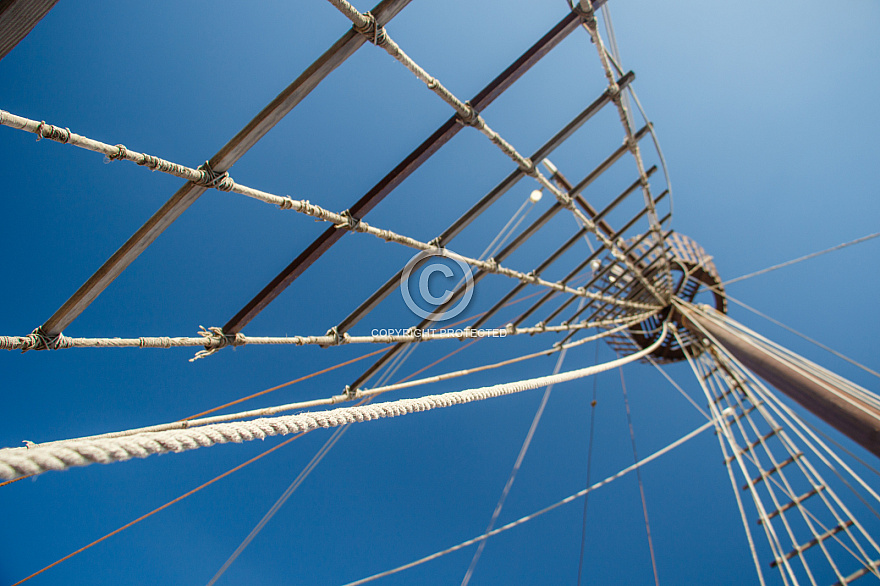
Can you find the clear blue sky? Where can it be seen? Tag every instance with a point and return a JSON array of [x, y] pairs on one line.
[[767, 115]]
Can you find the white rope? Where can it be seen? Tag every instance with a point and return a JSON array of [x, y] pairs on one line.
[[16, 462], [214, 338], [605, 57], [516, 467], [745, 378], [366, 25], [353, 395], [802, 258], [763, 394], [543, 511], [840, 387], [801, 335], [206, 177]]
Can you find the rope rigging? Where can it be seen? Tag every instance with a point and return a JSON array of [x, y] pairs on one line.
[[541, 512], [61, 455], [632, 289]]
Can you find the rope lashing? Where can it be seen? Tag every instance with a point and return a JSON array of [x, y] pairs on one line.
[[15, 462], [212, 338], [585, 11], [55, 133], [205, 175], [119, 154], [471, 117], [335, 337], [211, 178], [36, 340], [350, 223], [372, 30], [215, 339]]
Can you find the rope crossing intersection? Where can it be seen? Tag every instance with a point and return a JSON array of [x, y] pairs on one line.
[[616, 307]]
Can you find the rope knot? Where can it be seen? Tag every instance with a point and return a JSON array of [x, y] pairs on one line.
[[287, 204], [372, 30], [119, 155], [215, 339], [211, 178], [566, 201], [351, 223], [435, 243], [530, 277], [511, 329], [349, 393], [586, 13], [337, 337], [40, 340], [149, 161], [44, 130], [471, 116], [492, 264]]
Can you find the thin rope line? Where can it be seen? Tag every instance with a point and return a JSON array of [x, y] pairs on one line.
[[328, 445], [536, 514], [678, 388], [527, 442], [304, 473], [802, 258], [804, 336], [65, 454], [366, 25], [16, 480], [614, 59], [632, 437], [165, 506], [287, 384], [589, 470]]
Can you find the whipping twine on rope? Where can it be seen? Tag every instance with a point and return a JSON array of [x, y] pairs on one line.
[[15, 462]]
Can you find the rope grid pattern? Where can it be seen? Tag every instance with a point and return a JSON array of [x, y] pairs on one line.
[[471, 117]]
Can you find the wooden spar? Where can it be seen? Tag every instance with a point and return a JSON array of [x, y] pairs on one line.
[[570, 300], [591, 213], [465, 219], [851, 416], [397, 175], [18, 18], [220, 163], [583, 264], [504, 253]]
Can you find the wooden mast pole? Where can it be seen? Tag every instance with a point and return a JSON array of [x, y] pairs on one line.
[[858, 420]]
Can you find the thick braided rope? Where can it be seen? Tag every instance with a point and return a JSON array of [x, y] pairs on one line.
[[16, 462]]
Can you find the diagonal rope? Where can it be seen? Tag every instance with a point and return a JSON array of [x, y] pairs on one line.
[[516, 467], [163, 507], [543, 511], [589, 472], [632, 437], [803, 336], [802, 258], [325, 449], [366, 24], [328, 445]]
